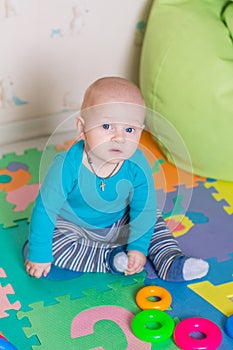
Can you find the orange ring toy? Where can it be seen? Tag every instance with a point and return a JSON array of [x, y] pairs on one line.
[[144, 303]]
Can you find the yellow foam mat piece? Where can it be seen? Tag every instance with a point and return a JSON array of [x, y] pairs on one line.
[[220, 296], [224, 192]]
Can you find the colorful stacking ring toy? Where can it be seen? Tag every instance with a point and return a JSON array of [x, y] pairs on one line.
[[184, 339], [143, 320], [229, 326], [144, 303]]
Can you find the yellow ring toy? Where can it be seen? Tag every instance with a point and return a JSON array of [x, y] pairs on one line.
[[161, 293]]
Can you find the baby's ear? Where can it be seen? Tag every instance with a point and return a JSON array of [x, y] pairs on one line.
[[80, 126]]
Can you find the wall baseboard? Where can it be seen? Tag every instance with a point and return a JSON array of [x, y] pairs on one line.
[[37, 127]]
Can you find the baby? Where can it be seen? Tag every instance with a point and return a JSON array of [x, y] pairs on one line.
[[97, 210]]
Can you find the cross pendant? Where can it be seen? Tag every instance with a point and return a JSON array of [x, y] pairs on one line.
[[102, 185]]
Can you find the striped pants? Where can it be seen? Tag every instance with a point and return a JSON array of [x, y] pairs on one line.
[[83, 250]]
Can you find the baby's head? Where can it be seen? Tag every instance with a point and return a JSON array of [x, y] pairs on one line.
[[112, 89], [112, 117], [114, 97]]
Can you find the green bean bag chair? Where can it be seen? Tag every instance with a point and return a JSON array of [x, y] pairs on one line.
[[186, 75]]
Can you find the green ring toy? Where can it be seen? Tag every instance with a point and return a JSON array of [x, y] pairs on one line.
[[142, 320]]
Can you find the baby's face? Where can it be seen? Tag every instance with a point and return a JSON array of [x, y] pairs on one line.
[[113, 131]]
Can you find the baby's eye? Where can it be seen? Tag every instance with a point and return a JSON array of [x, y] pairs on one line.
[[106, 126], [130, 130]]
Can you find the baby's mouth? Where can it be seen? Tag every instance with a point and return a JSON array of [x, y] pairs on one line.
[[115, 150]]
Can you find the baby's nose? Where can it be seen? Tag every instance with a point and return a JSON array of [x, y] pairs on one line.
[[118, 135]]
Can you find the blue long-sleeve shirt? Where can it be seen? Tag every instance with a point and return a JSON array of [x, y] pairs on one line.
[[72, 191]]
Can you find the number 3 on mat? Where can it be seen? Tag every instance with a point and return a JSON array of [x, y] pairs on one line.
[[83, 324]]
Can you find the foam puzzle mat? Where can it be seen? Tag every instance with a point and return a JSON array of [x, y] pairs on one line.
[[94, 311]]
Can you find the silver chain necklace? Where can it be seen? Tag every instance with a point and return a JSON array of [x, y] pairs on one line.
[[102, 184]]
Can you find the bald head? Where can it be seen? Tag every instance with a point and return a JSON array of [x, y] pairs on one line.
[[112, 89]]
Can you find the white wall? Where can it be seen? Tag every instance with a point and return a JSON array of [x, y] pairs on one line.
[[52, 50]]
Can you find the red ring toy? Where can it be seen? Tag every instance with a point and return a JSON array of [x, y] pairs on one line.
[[184, 340], [153, 291]]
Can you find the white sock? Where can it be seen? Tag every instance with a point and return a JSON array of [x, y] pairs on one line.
[[120, 261], [195, 268]]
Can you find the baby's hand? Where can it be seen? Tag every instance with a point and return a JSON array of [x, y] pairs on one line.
[[136, 262], [37, 269]]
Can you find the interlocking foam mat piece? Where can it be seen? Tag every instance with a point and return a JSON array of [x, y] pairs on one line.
[[94, 311]]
